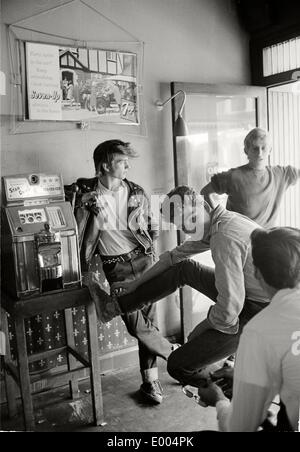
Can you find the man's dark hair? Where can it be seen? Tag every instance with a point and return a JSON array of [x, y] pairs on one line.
[[105, 152], [276, 254], [177, 198]]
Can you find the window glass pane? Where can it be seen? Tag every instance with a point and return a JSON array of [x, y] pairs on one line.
[[284, 114], [281, 57], [217, 126]]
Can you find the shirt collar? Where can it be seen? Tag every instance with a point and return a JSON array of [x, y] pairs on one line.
[[280, 296], [215, 219], [104, 190]]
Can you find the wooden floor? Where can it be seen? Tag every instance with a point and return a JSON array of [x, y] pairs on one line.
[[125, 410]]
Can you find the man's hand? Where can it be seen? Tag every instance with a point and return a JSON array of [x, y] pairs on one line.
[[226, 373], [224, 379], [92, 202], [211, 395], [89, 199], [123, 288]]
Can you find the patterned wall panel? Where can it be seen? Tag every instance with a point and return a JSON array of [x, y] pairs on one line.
[[47, 332]]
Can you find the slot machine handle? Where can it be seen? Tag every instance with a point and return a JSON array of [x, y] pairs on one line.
[[75, 190]]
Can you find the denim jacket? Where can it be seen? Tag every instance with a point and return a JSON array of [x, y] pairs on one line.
[[139, 218], [229, 240]]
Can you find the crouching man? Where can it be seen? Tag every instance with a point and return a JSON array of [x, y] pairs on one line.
[[231, 284]]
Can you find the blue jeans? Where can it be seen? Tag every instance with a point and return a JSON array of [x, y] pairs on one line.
[[186, 363], [141, 324]]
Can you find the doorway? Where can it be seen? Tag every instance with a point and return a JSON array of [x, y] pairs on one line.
[[218, 118]]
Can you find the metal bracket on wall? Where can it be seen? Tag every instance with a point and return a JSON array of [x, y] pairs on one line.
[[83, 125]]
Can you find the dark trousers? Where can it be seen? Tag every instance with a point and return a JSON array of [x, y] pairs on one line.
[[141, 324], [186, 363]]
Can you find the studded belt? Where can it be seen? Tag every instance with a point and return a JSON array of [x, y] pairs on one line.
[[127, 257]]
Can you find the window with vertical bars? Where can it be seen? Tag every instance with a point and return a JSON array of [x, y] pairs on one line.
[[281, 57], [284, 117]]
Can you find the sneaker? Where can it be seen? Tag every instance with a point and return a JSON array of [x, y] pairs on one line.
[[175, 347], [229, 362], [152, 391]]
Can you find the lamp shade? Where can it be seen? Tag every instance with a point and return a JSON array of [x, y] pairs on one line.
[[180, 127]]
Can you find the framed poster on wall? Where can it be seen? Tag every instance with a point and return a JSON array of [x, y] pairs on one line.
[[80, 84]]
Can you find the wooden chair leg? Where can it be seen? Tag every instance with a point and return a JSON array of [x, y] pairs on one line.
[[73, 385], [25, 387], [95, 377], [10, 385]]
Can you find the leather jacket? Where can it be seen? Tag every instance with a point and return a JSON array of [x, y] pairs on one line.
[[138, 217]]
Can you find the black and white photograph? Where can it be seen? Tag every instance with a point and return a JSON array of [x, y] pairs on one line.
[[150, 219], [81, 84]]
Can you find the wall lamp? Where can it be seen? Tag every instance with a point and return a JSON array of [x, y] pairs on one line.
[[180, 127]]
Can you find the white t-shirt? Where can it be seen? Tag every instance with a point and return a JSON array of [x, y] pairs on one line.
[[115, 237], [267, 365]]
